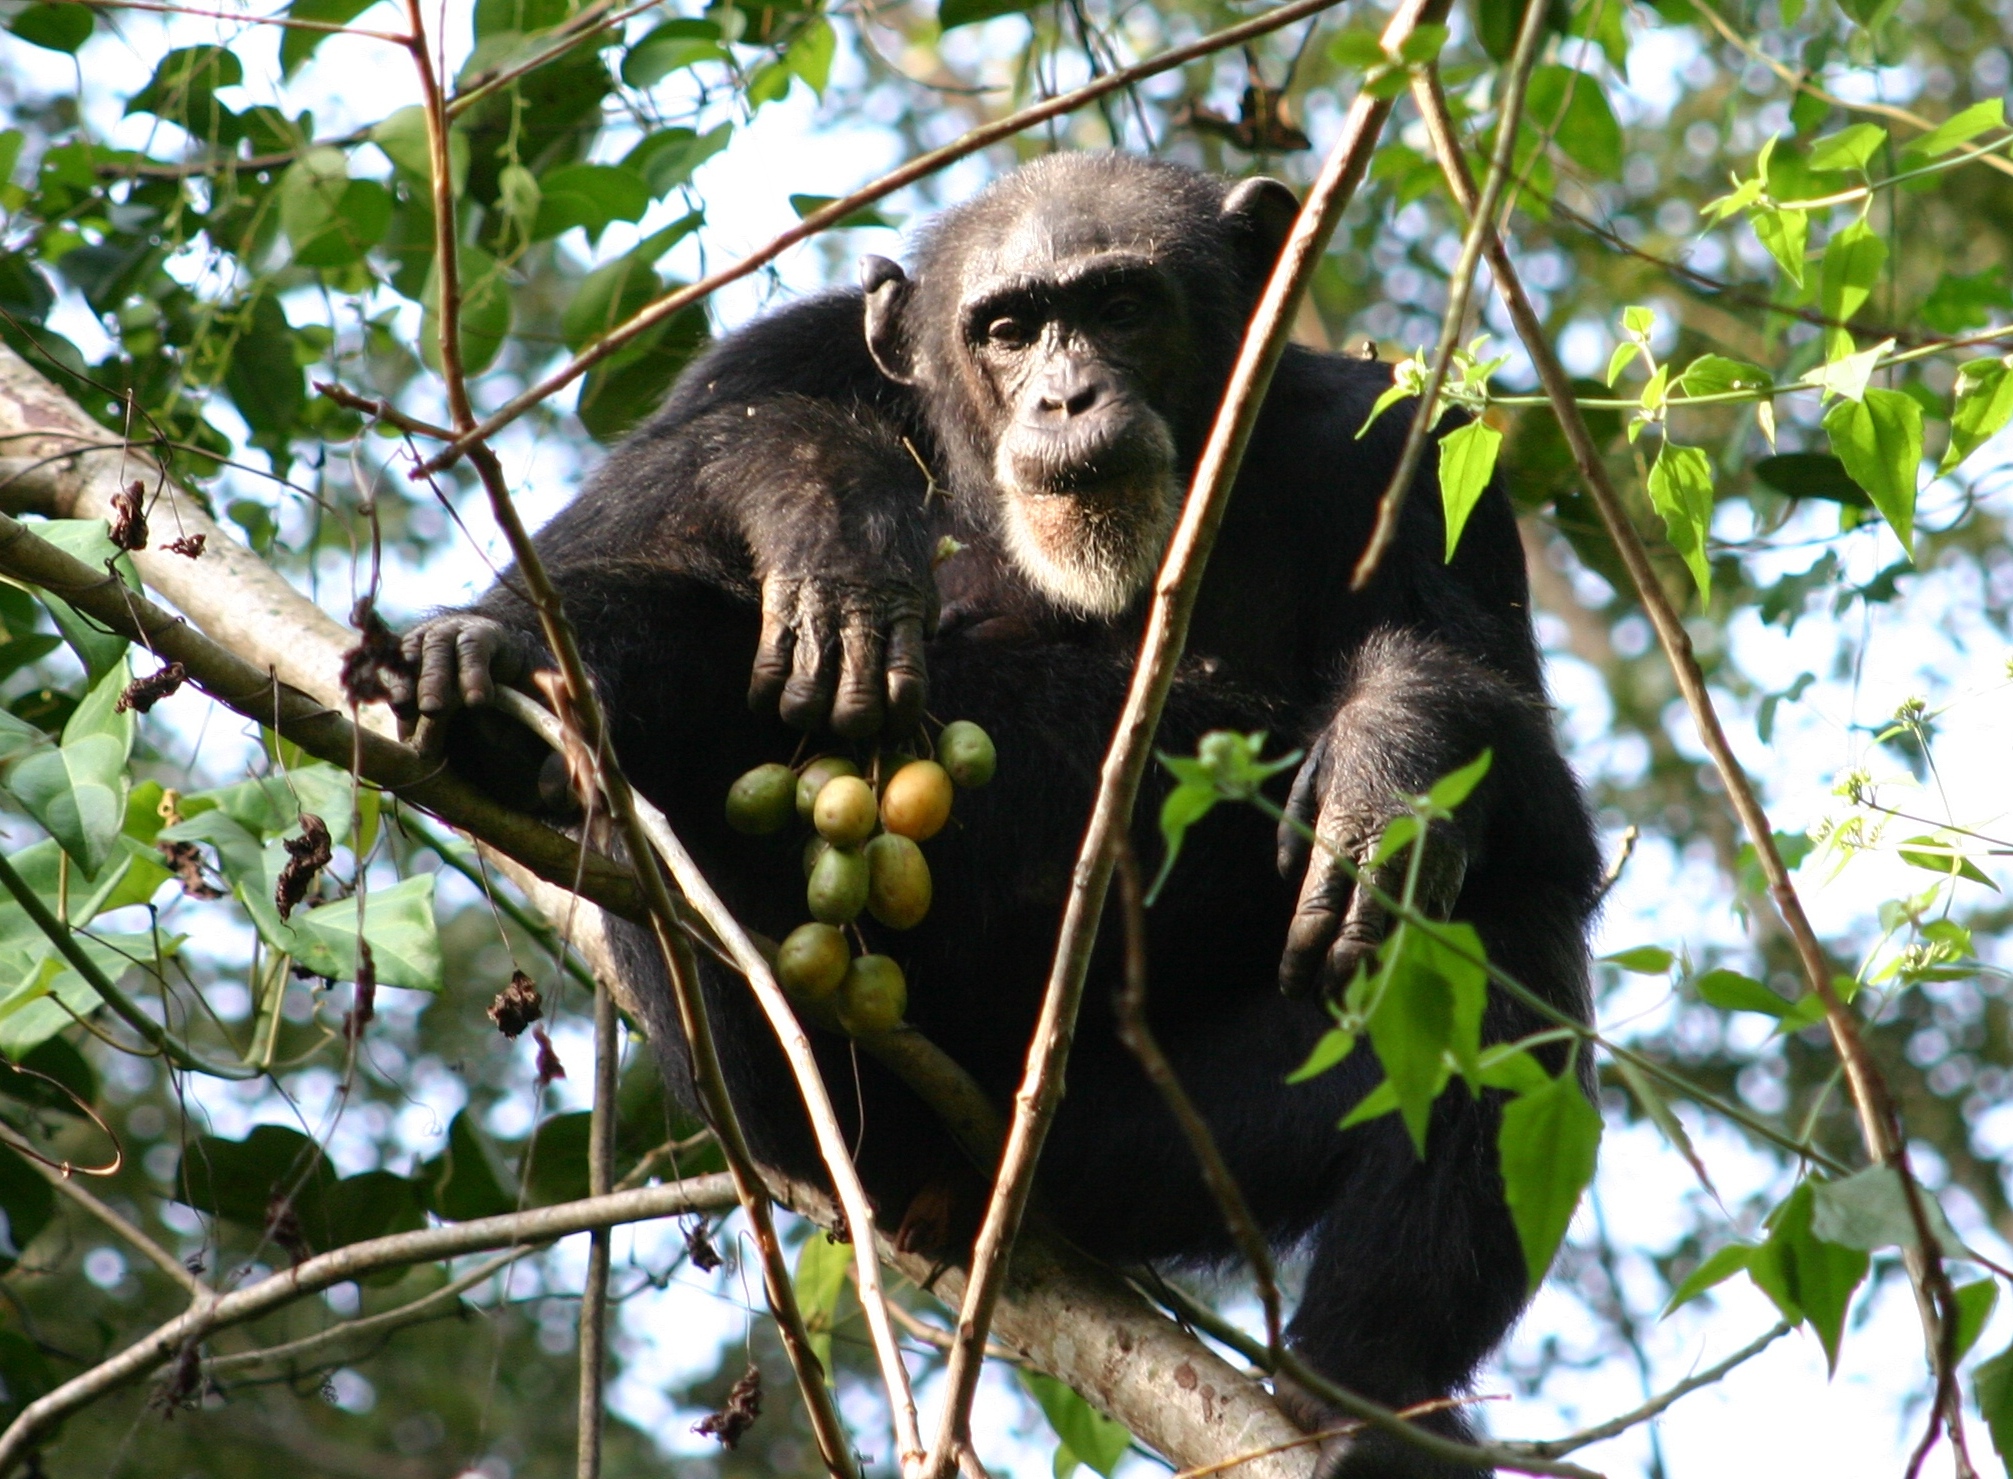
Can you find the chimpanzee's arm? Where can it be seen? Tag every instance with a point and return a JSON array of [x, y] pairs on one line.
[[784, 478]]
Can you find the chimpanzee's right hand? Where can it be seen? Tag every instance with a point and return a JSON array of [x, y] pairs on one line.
[[455, 661], [844, 648]]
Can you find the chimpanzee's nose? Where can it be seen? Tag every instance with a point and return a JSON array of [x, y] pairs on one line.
[[1068, 393]]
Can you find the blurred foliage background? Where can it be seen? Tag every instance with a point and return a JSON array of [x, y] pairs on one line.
[[200, 218]]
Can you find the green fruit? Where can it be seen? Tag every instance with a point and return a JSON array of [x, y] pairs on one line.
[[815, 847], [967, 752], [844, 811], [838, 888], [812, 781], [873, 996], [898, 881], [812, 962], [916, 801], [761, 801]]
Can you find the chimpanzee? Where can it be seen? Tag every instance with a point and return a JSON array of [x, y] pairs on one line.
[[1039, 390]]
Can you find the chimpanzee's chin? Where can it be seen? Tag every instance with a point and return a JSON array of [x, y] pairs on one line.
[[1091, 552]]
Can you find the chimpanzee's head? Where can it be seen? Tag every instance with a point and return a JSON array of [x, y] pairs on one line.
[[1069, 331]]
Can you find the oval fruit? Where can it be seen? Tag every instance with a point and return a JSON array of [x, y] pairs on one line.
[[873, 996], [815, 847], [844, 811], [816, 774], [916, 802], [762, 801], [837, 891], [811, 963], [898, 881], [966, 753]]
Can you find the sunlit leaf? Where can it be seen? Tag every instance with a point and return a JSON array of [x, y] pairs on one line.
[[1879, 439], [1982, 404], [1547, 1145], [1680, 486], [1467, 460]]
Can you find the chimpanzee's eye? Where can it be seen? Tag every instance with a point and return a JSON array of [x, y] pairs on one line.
[[1007, 330], [1123, 308]]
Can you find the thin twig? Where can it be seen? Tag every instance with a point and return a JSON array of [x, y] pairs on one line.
[[823, 219], [1460, 287], [1137, 1035], [312, 1275], [1124, 766], [291, 23], [1558, 1447], [594, 1295], [1879, 1121], [152, 1251], [341, 1342]]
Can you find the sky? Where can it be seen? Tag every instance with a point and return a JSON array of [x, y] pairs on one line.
[[1782, 1414]]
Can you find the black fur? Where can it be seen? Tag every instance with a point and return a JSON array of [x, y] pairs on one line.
[[789, 447]]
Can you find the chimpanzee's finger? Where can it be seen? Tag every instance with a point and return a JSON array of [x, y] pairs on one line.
[[857, 706], [1362, 930], [807, 697], [908, 677], [474, 650], [1317, 920], [399, 682], [1303, 806], [438, 677], [776, 653]]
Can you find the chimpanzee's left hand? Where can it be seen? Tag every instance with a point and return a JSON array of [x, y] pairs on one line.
[[1338, 922]]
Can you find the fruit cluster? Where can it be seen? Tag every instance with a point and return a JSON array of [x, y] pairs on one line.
[[863, 854]]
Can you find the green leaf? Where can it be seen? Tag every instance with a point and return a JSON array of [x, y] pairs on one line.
[[1975, 1303], [1853, 261], [810, 55], [1664, 1117], [1959, 128], [1467, 460], [612, 293], [1879, 439], [297, 44], [589, 196], [239, 1179], [1624, 355], [1601, 22], [1330, 1048], [954, 13], [1357, 50], [1992, 1383], [1091, 1438], [1721, 1265], [1572, 107], [667, 158], [86, 540], [1715, 374], [53, 27], [27, 1205], [1547, 1144], [1429, 996], [1643, 960], [1940, 854], [820, 1276], [402, 136], [671, 47], [78, 790], [1423, 45], [1808, 1277], [1783, 234], [1398, 835], [1981, 405], [1379, 1102], [1869, 1210], [398, 924], [183, 90], [1848, 149], [1681, 490], [331, 219], [485, 312], [1456, 786], [1732, 992], [1187, 804], [1961, 302]]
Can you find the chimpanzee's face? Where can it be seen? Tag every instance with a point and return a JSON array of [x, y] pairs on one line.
[[1070, 354]]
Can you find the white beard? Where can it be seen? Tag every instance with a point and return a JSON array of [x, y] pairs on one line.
[[1089, 555]]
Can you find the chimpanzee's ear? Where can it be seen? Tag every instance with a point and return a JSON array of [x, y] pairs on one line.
[[1263, 210], [888, 289]]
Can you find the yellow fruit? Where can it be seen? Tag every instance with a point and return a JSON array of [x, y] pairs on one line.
[[837, 891], [873, 996], [812, 781], [761, 801], [844, 811], [811, 964], [967, 753], [916, 802], [898, 881]]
